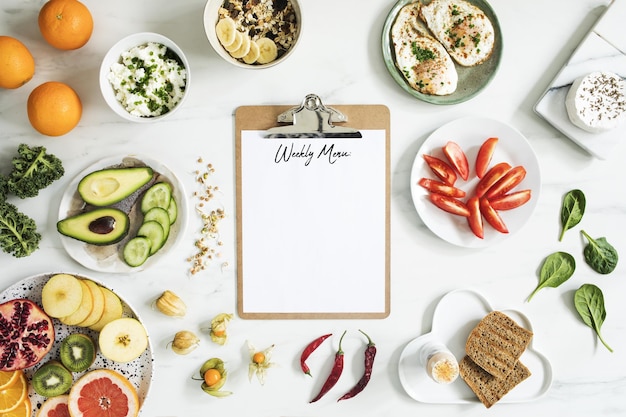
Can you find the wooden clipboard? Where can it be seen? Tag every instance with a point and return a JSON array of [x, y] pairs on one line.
[[336, 293]]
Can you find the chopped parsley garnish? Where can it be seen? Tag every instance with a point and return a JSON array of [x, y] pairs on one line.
[[422, 54], [476, 39]]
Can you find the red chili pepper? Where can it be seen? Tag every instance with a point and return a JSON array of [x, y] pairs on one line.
[[335, 373], [370, 354], [310, 349]]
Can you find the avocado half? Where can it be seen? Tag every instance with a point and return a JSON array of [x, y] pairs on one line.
[[111, 185], [102, 226]]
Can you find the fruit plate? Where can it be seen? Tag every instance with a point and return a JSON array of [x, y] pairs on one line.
[[470, 133], [456, 314], [138, 371], [108, 258], [472, 80]]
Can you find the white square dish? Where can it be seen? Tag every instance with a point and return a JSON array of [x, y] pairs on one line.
[[603, 49]]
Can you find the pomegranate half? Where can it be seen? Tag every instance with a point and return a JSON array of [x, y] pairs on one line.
[[26, 334]]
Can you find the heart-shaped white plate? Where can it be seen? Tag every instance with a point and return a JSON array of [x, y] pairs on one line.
[[456, 314]]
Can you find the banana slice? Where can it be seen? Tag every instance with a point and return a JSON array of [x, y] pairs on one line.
[[243, 49], [268, 51], [237, 42], [253, 54], [226, 31]]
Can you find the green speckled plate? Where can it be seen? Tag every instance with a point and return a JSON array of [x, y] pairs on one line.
[[471, 79]]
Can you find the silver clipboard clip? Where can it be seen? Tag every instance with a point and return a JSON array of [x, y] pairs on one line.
[[312, 119]]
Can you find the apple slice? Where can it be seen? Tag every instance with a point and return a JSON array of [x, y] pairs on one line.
[[123, 340], [83, 310], [61, 295], [98, 304], [112, 309]]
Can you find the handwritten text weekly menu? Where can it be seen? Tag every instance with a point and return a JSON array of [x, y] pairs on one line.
[[313, 225]]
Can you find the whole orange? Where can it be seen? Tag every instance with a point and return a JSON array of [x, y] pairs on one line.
[[65, 24], [17, 65], [54, 108]]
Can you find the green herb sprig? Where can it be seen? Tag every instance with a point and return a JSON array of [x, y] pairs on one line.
[[557, 268], [572, 210], [589, 302], [600, 255]]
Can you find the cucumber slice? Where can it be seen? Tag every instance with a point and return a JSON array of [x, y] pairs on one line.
[[172, 210], [154, 232], [137, 251], [160, 216], [158, 195]]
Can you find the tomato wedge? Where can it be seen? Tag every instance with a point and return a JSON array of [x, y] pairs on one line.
[[441, 188], [441, 169], [510, 201], [491, 216], [475, 219], [484, 156], [457, 158], [449, 204], [508, 181], [491, 177]]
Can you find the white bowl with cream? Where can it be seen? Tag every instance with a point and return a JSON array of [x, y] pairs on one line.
[[145, 77]]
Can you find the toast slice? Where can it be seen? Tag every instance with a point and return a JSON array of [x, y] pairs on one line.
[[487, 387], [496, 344]]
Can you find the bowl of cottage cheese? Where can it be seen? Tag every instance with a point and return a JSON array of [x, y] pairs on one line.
[[144, 77]]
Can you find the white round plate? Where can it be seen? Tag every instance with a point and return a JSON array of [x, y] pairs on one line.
[[108, 258], [470, 133], [456, 314], [138, 371]]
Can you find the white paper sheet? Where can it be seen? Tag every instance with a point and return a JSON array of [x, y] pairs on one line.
[[313, 224]]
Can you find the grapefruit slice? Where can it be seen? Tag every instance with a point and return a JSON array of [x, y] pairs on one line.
[[102, 393], [54, 407]]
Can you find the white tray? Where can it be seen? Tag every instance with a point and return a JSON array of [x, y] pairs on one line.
[[603, 49]]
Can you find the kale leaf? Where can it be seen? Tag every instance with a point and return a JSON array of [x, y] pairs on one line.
[[33, 170], [18, 232], [4, 188]]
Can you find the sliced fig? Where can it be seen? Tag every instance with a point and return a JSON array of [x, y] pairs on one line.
[[26, 334]]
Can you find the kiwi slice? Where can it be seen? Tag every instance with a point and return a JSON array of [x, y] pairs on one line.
[[77, 352], [52, 379]]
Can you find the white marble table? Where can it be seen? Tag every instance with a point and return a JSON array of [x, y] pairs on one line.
[[339, 59]]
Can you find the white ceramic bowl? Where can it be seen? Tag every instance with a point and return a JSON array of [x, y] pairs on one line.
[[211, 17], [113, 56]]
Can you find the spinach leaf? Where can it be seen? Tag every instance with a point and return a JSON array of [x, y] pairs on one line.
[[589, 303], [600, 255], [557, 268], [572, 210]]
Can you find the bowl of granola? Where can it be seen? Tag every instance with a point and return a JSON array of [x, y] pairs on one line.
[[144, 77], [253, 33]]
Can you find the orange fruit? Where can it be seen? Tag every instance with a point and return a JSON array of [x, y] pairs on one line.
[[17, 65], [14, 394], [7, 378], [23, 409], [102, 393], [54, 407], [212, 377], [258, 357], [54, 108], [65, 24]]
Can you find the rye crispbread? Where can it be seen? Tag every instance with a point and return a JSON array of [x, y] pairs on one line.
[[488, 388], [496, 344]]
